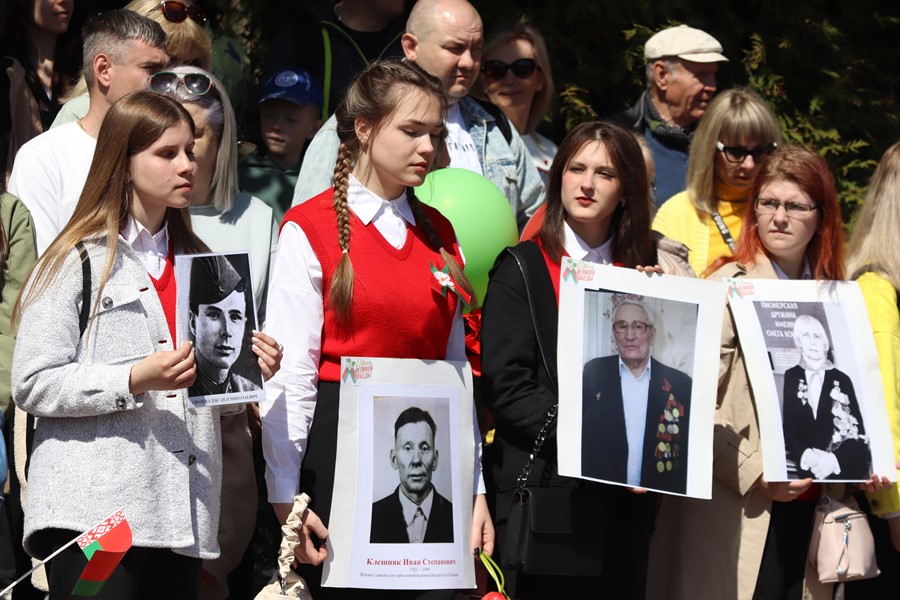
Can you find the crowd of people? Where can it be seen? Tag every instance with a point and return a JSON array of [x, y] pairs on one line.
[[144, 150]]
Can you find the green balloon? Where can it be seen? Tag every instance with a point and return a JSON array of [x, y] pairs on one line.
[[480, 214]]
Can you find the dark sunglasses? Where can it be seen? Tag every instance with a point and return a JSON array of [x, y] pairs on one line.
[[495, 70], [737, 154], [177, 12], [165, 82]]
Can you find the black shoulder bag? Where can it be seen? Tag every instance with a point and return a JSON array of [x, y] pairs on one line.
[[552, 529]]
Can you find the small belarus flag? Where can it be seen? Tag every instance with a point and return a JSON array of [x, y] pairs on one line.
[[104, 546]]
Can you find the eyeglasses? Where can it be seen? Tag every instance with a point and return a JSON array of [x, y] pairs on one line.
[[638, 327], [495, 70], [166, 82], [737, 154], [177, 12], [767, 206]]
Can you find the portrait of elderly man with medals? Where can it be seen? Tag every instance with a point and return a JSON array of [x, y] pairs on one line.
[[635, 409]]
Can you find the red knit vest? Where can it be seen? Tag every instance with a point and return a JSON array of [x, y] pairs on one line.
[[396, 310], [166, 290]]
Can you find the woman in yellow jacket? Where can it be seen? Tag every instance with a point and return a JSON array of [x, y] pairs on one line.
[[734, 138], [874, 261]]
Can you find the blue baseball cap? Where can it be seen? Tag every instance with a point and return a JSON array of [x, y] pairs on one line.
[[298, 87]]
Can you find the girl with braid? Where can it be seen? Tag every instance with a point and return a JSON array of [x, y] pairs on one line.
[[352, 277]]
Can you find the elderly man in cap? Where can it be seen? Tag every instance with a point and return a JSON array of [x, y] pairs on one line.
[[218, 319], [681, 81]]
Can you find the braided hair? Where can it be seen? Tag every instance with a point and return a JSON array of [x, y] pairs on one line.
[[374, 97]]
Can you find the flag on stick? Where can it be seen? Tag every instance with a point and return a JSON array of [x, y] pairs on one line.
[[104, 546]]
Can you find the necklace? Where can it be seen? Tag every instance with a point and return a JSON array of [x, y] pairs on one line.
[[81, 125]]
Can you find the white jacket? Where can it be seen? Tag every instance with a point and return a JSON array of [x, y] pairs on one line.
[[98, 448]]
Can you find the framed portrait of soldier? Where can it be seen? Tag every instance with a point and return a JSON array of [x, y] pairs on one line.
[[813, 367], [637, 395], [403, 477], [215, 303]]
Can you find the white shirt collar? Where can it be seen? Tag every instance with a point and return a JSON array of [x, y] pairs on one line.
[[409, 507], [578, 249], [367, 205], [142, 241], [623, 370]]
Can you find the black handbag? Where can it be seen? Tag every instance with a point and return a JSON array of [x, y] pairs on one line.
[[552, 529], [544, 540]]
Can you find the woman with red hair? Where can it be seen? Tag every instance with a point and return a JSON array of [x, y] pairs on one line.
[[754, 534]]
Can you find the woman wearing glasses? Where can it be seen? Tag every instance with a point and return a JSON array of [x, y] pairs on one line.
[[98, 362], [515, 75], [227, 221], [753, 534], [734, 138], [598, 209]]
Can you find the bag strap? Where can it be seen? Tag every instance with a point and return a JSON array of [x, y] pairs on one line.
[[85, 311], [723, 230], [83, 316], [525, 253]]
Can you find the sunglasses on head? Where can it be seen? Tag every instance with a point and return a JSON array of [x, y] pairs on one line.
[[177, 12], [197, 84], [495, 70]]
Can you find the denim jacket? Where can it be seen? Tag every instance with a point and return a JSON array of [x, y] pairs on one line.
[[507, 165]]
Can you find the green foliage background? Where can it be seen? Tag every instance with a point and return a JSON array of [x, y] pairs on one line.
[[830, 68]]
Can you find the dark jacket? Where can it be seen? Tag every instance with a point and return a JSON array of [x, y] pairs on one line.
[[604, 443], [803, 431], [389, 524], [302, 43]]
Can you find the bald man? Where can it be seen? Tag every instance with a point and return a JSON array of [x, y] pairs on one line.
[[444, 37]]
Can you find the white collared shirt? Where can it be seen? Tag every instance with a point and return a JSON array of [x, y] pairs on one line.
[[578, 249], [151, 249], [635, 394], [409, 514], [294, 316]]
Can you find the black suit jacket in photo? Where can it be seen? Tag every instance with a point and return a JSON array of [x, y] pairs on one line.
[[389, 524], [604, 441], [803, 431]]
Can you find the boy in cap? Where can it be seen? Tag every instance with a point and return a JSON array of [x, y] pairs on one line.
[[681, 81], [289, 116]]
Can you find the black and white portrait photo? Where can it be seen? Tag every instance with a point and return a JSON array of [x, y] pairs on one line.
[[824, 431], [216, 297], [813, 366], [414, 511]]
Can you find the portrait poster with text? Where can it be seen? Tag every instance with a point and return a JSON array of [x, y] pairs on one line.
[[638, 368], [401, 510], [813, 368], [218, 315]]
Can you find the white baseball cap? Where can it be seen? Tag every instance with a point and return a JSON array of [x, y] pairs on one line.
[[686, 43]]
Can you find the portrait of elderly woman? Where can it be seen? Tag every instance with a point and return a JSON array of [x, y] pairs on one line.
[[220, 317], [823, 427]]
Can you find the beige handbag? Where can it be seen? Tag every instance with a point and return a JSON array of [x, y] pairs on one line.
[[842, 547], [287, 584]]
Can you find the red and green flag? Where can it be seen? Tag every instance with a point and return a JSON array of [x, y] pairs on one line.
[[104, 546]]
